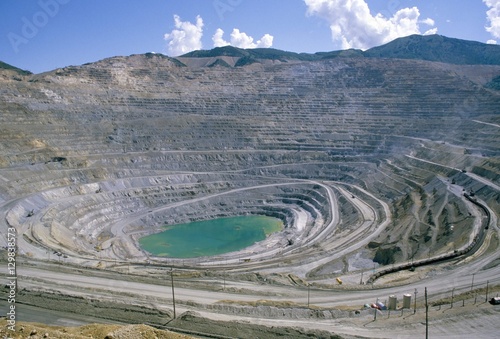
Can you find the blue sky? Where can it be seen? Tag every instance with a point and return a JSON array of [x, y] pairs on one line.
[[41, 35]]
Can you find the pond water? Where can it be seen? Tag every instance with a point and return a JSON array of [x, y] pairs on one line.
[[210, 237]]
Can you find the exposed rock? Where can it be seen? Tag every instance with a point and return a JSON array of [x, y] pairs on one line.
[[354, 154]]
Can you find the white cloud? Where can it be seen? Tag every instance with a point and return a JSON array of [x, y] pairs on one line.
[[266, 41], [493, 15], [428, 22], [218, 40], [241, 40], [186, 37], [353, 26], [491, 42], [431, 31]]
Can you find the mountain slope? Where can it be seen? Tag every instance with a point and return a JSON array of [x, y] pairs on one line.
[[253, 53], [6, 66], [415, 47], [429, 48], [438, 48]]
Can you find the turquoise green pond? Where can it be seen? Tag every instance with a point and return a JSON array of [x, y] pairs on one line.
[[210, 237]]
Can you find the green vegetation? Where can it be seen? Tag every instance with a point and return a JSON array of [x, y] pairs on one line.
[[494, 84], [257, 53], [3, 65], [431, 48], [219, 62], [246, 60], [438, 48]]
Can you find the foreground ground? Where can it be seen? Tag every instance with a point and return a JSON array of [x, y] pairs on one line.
[[96, 331], [467, 315], [226, 307]]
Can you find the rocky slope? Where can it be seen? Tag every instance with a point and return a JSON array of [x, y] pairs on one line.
[[365, 159]]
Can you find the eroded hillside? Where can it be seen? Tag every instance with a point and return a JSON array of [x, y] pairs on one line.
[[366, 160], [400, 129]]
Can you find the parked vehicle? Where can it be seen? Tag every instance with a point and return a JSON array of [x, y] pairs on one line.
[[495, 301]]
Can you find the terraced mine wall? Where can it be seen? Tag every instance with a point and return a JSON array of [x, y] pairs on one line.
[[344, 106], [469, 250], [92, 157]]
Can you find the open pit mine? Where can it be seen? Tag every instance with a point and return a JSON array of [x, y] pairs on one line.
[[383, 171]]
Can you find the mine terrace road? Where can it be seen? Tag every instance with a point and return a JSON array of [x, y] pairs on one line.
[[438, 286]]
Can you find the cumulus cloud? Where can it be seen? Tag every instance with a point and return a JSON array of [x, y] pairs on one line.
[[431, 31], [241, 40], [493, 16], [491, 42], [428, 22], [353, 26], [218, 39], [186, 36]]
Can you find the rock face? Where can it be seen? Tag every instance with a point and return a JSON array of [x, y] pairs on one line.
[[140, 103], [360, 149]]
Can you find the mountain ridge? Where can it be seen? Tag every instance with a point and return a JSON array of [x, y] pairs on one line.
[[440, 49], [6, 66], [434, 48]]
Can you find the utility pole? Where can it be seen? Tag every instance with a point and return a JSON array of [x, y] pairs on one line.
[[452, 292], [426, 316], [308, 294], [472, 284], [373, 272], [173, 293], [415, 302], [487, 285]]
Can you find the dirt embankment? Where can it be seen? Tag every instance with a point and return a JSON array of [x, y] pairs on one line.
[[189, 323], [109, 310], [245, 330], [96, 331]]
